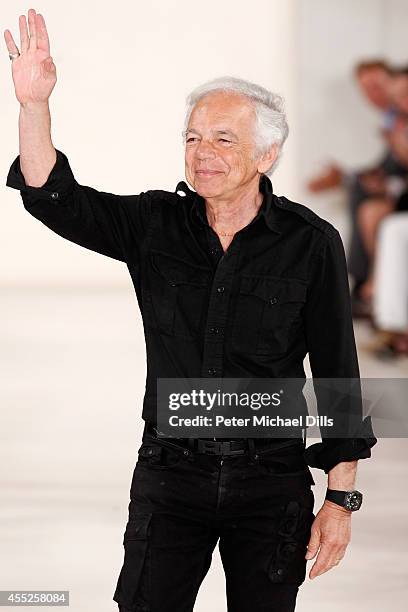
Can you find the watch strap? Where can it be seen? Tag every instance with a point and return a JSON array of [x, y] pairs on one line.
[[350, 500], [338, 497]]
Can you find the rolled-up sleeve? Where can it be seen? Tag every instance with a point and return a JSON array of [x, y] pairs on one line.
[[103, 222], [333, 354]]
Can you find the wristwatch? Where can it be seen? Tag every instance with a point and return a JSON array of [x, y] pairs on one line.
[[350, 500]]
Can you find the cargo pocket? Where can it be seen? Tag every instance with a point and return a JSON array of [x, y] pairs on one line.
[[288, 563], [133, 586]]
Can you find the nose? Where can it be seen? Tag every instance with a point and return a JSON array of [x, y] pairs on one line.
[[204, 150]]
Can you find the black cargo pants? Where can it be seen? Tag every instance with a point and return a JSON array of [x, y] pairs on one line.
[[257, 505]]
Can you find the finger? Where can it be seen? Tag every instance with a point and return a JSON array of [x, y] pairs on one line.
[[335, 559], [11, 45], [322, 562], [33, 34], [318, 570], [42, 34], [339, 554], [322, 569], [328, 558], [22, 22], [313, 545]]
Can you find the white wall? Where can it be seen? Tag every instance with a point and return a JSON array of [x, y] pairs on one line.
[[118, 106]]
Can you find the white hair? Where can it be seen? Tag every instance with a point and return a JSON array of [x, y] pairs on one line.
[[270, 124]]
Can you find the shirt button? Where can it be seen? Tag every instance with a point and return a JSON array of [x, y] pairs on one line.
[[214, 330], [212, 371], [273, 300], [220, 289], [55, 195], [172, 283]]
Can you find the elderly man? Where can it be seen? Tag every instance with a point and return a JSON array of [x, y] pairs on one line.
[[231, 281]]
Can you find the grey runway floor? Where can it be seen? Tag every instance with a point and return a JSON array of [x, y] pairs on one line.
[[73, 371]]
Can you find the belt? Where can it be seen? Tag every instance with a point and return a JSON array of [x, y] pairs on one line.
[[223, 447], [238, 447]]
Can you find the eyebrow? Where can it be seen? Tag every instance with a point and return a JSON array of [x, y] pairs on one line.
[[224, 132]]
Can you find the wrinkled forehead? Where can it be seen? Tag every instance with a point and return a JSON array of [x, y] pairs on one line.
[[220, 110]]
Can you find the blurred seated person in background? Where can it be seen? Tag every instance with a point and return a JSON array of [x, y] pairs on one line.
[[381, 85], [390, 198], [390, 279]]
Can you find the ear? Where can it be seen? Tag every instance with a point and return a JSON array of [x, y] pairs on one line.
[[268, 158]]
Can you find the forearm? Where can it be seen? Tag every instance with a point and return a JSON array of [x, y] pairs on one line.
[[342, 476], [37, 153]]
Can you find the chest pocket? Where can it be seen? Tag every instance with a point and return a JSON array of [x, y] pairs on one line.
[[266, 313], [177, 295]]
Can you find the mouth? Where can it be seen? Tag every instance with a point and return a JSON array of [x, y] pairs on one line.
[[207, 173]]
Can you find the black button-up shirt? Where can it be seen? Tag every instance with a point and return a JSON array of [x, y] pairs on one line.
[[279, 291]]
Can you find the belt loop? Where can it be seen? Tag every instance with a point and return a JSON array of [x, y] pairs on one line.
[[253, 456]]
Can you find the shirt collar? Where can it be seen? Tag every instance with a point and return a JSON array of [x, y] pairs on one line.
[[267, 210]]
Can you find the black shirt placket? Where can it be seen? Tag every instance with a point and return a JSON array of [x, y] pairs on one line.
[[214, 335]]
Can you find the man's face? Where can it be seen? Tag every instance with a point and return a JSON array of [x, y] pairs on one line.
[[220, 145], [375, 84]]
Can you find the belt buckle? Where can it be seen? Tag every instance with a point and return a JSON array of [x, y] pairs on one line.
[[226, 447], [227, 444], [228, 450]]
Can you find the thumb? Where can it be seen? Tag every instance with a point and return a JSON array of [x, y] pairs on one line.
[[313, 545]]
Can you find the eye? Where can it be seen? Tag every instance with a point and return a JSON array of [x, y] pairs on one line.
[[191, 138], [224, 140]]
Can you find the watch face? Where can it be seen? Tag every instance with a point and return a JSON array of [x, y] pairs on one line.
[[353, 500]]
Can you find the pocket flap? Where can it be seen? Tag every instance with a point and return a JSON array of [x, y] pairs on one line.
[[274, 290], [133, 588], [136, 528], [177, 271]]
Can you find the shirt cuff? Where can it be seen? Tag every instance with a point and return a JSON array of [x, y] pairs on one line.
[[331, 451], [59, 184]]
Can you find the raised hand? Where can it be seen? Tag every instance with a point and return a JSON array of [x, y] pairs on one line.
[[34, 72]]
